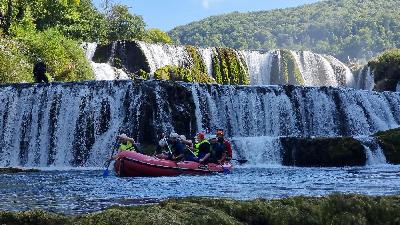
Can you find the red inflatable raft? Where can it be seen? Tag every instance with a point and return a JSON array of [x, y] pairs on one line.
[[133, 164]]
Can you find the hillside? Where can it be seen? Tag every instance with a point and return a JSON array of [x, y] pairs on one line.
[[343, 28]]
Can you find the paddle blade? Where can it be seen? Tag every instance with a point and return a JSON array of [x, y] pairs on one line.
[[106, 173]]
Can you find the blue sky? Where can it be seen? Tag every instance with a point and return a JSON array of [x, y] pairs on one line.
[[167, 14]]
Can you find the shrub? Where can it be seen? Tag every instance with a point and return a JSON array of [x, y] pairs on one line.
[[64, 58]]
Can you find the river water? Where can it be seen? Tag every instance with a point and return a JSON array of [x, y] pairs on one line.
[[83, 191]]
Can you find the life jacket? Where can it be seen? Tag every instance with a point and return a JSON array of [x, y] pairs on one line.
[[197, 147], [127, 147]]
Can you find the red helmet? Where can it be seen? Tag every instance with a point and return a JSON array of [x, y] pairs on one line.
[[200, 135]]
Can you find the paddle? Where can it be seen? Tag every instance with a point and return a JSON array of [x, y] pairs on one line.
[[107, 164]]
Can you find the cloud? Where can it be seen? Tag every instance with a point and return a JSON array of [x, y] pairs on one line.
[[207, 3]]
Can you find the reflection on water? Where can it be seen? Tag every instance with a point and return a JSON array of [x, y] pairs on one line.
[[74, 192]]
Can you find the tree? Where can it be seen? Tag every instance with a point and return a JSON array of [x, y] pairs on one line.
[[123, 25], [157, 36]]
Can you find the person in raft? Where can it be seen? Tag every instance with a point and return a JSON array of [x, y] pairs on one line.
[[176, 148], [221, 148], [125, 144], [201, 151]]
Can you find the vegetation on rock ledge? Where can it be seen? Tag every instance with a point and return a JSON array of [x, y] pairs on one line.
[[386, 69]]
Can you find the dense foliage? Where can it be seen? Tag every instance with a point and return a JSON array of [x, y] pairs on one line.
[[343, 28], [334, 210], [386, 69], [52, 30]]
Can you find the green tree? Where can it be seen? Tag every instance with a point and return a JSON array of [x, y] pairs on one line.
[[123, 25], [157, 36]]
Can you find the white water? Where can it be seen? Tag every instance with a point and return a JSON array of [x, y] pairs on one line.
[[365, 79], [259, 151], [373, 151], [316, 70], [259, 67], [207, 55], [103, 71], [160, 55]]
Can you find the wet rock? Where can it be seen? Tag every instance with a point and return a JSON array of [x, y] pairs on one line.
[[390, 143], [18, 170], [326, 152]]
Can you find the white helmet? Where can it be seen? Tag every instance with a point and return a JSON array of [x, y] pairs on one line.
[[174, 135], [162, 143]]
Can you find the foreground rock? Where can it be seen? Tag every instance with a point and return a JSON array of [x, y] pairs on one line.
[[334, 209]]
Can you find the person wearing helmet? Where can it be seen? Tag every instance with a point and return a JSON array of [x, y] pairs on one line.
[[201, 149], [174, 146], [222, 148]]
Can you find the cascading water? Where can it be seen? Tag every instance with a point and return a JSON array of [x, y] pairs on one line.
[[75, 124], [160, 55], [207, 55], [103, 71], [259, 150], [259, 66], [365, 79], [315, 69], [373, 151]]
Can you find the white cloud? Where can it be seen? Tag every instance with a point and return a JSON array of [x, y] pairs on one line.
[[207, 3]]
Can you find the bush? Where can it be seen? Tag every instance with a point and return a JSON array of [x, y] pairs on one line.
[[14, 63], [64, 57]]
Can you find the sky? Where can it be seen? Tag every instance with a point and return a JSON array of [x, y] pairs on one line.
[[167, 14]]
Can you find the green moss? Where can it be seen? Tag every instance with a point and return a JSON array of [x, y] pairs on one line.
[[176, 73], [390, 143], [229, 68], [335, 209], [197, 61], [291, 71]]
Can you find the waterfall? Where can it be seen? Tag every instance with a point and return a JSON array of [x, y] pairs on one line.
[[258, 150], [316, 70], [75, 124], [365, 79], [160, 55], [103, 71], [398, 87], [259, 66], [207, 55], [264, 68], [373, 151]]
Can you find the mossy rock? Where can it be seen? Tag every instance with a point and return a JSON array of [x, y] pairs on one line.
[[390, 143], [386, 69], [330, 152], [335, 209]]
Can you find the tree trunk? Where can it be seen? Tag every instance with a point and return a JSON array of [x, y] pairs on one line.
[[9, 17]]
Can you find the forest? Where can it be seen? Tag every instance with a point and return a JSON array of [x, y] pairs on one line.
[[355, 29]]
